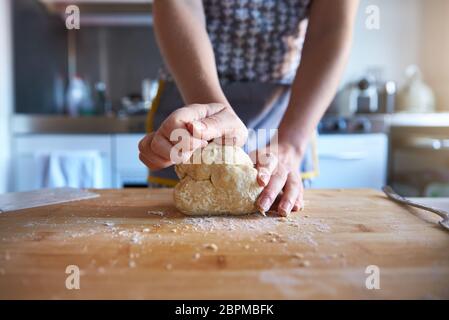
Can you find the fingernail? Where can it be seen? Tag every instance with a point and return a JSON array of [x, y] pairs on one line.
[[264, 204], [264, 178], [283, 213], [284, 208]]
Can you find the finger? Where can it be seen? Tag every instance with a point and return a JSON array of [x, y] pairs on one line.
[[274, 187], [145, 143], [147, 156], [182, 117], [179, 148], [161, 146], [200, 111], [185, 141], [299, 203], [223, 124], [291, 193], [154, 162], [266, 164]]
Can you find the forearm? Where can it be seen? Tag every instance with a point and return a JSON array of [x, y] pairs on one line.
[[181, 33], [324, 56]]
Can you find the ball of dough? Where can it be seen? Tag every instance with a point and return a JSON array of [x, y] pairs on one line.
[[217, 180]]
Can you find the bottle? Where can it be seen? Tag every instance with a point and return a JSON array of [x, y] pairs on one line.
[[78, 99]]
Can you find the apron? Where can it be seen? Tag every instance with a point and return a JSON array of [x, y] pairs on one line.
[[259, 106]]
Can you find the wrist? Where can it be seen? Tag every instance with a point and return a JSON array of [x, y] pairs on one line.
[[290, 154], [292, 149]]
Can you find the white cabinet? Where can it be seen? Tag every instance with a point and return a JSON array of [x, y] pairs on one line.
[[26, 170], [128, 168], [352, 161], [345, 161]]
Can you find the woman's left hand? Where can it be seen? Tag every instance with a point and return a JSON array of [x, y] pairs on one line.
[[279, 173]]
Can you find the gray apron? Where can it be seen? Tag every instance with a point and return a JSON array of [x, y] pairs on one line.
[[259, 106]]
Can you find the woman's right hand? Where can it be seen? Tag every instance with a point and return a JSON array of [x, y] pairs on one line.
[[197, 124]]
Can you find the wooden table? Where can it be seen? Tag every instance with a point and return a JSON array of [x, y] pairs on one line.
[[134, 244]]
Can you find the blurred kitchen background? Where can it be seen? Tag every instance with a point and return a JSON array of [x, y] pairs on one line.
[[73, 102]]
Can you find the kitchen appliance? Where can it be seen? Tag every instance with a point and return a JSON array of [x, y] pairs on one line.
[[419, 161], [363, 96], [335, 124], [415, 96]]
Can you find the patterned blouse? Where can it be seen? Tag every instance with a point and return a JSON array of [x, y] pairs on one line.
[[256, 40]]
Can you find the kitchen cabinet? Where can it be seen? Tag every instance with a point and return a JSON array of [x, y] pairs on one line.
[[119, 154], [128, 169], [27, 148], [345, 160], [352, 161]]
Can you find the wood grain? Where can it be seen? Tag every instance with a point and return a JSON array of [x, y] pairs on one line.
[[133, 244]]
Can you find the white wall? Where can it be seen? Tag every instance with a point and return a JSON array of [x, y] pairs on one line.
[[411, 32], [435, 49], [394, 46], [6, 92]]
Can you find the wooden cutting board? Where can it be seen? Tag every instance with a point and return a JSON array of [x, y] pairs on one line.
[[134, 244]]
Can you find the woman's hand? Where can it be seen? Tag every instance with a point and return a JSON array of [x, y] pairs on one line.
[[279, 173], [199, 123]]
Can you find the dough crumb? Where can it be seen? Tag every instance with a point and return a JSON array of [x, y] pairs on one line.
[[156, 213], [298, 256], [132, 264], [169, 266], [211, 246], [196, 256], [174, 230], [146, 230], [136, 238], [304, 264]]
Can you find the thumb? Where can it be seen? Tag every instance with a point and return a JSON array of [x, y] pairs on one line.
[[266, 165], [224, 123]]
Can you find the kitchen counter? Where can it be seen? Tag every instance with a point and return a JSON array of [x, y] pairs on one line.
[[53, 124], [29, 124], [134, 244]]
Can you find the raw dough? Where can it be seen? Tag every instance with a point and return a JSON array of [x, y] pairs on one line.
[[225, 182]]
